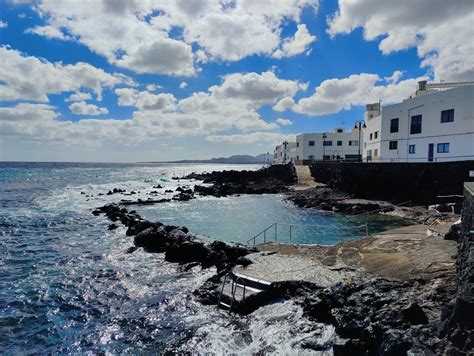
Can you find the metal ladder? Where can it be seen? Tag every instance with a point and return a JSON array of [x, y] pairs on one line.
[[235, 284]]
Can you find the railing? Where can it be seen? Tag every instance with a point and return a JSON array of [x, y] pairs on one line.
[[235, 283], [272, 230]]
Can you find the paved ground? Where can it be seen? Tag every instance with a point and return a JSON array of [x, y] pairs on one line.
[[399, 254], [305, 180]]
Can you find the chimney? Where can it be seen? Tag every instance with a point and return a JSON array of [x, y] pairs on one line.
[[422, 85]]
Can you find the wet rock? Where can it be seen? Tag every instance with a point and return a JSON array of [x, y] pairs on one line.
[[414, 314], [113, 227], [271, 180], [132, 249], [188, 251], [153, 239], [168, 191], [116, 191], [184, 196], [158, 186], [454, 233]]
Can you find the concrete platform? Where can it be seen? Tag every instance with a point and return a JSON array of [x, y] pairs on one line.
[[399, 254]]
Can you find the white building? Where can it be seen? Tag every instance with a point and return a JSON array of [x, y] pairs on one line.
[[429, 126], [284, 153], [335, 145]]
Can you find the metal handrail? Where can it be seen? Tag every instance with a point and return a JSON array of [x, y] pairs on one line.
[[275, 226]]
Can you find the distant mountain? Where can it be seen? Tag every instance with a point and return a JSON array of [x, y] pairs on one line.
[[237, 159]]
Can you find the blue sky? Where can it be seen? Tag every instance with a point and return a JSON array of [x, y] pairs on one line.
[[227, 77]]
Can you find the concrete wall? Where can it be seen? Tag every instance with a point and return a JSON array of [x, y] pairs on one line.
[[397, 182]]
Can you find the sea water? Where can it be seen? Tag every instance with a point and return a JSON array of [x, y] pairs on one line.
[[67, 284]]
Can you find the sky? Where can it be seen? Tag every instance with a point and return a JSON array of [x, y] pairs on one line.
[[143, 80]]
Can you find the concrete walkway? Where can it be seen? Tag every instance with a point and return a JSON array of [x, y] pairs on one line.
[[400, 254], [305, 180]]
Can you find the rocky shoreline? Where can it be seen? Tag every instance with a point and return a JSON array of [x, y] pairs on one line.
[[376, 316], [371, 316]]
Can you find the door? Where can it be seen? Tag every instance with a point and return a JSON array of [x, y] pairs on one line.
[[430, 152]]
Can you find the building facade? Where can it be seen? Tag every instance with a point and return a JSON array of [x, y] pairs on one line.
[[335, 145], [430, 126], [284, 153]]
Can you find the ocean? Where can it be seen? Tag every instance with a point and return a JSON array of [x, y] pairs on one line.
[[67, 284]]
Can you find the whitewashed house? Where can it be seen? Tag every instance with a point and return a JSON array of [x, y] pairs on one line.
[[284, 153], [335, 145], [430, 126]]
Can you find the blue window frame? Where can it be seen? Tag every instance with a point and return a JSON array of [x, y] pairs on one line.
[[327, 143], [443, 148], [311, 143], [411, 149]]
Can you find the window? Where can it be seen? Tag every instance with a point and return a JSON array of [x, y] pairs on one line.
[[447, 115], [411, 149], [393, 145], [376, 152], [370, 136], [394, 125], [297, 144], [310, 157], [415, 127], [311, 143], [298, 158], [354, 143], [443, 148], [376, 134], [339, 143], [327, 143], [369, 153], [339, 130]]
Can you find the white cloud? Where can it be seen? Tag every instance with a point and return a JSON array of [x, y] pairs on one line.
[[82, 108], [31, 78], [153, 87], [441, 31], [164, 55], [79, 96], [283, 122], [297, 44], [395, 77], [255, 89], [183, 85], [3, 24], [219, 110], [48, 32], [284, 104], [334, 95], [138, 34], [145, 100], [272, 138]]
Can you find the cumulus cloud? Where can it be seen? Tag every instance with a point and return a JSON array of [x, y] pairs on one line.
[[283, 122], [183, 85], [334, 95], [441, 31], [215, 111], [284, 104], [79, 96], [3, 24], [145, 100], [48, 32], [138, 35], [31, 78], [297, 44], [82, 108]]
